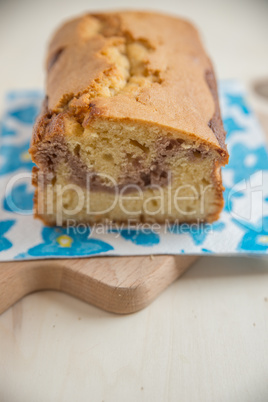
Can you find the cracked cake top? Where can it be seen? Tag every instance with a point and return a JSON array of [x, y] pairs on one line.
[[135, 66]]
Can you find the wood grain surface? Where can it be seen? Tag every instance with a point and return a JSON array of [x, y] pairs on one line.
[[205, 338], [116, 284]]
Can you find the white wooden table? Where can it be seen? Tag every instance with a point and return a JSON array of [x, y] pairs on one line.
[[206, 337]]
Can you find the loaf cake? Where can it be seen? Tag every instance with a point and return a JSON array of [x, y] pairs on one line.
[[130, 129]]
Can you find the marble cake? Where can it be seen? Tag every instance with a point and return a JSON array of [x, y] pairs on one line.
[[130, 128]]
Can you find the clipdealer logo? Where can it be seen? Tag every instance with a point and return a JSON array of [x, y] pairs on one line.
[[67, 201]]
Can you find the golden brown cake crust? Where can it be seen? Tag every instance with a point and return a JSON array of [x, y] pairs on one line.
[[178, 93], [146, 78]]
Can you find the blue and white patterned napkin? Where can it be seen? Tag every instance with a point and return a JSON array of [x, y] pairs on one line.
[[242, 228]]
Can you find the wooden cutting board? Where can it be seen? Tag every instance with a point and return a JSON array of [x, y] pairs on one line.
[[117, 284]]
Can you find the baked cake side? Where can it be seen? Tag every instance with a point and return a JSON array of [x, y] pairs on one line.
[[131, 126]]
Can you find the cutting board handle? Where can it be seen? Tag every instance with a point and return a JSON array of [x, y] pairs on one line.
[[17, 279], [117, 284]]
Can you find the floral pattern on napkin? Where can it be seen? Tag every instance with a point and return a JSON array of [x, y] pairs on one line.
[[242, 227]]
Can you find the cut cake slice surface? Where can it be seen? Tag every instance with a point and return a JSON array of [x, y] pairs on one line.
[[131, 128]]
